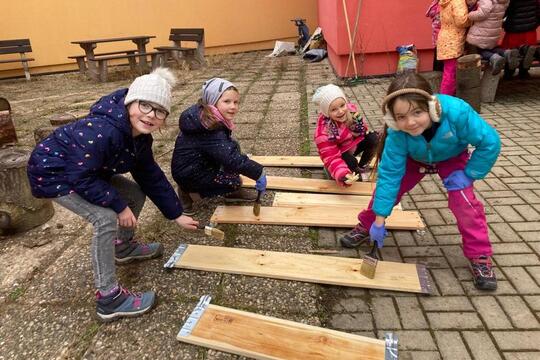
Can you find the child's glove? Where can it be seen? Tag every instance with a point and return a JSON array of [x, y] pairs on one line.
[[377, 233], [457, 180], [350, 178], [260, 184]]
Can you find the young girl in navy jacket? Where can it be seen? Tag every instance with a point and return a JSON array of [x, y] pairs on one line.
[[79, 166], [207, 161]]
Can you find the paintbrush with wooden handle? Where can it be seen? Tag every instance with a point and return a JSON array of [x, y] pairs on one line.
[[257, 205], [369, 262], [212, 231]]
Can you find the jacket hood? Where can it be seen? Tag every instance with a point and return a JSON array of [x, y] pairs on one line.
[[190, 121], [111, 107]]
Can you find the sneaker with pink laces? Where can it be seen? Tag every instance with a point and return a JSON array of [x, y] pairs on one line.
[[123, 303], [132, 250], [483, 274]]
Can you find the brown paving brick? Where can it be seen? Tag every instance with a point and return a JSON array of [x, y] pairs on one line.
[[518, 312], [411, 314], [505, 200], [508, 213], [432, 217], [491, 312], [442, 204], [517, 340], [496, 184], [516, 259], [453, 320], [419, 355], [451, 345], [530, 196], [533, 301], [498, 194], [504, 232], [528, 212], [526, 226], [522, 281], [420, 251], [529, 236], [352, 322], [533, 355], [446, 282], [535, 273], [480, 345], [385, 314]]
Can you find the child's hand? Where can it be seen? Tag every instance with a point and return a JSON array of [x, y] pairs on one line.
[[187, 222], [126, 218], [377, 234], [457, 180], [351, 178]]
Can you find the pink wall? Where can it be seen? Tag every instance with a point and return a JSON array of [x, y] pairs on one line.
[[383, 24]]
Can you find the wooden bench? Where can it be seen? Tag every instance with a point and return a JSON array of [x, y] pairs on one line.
[[194, 56], [157, 59], [20, 46], [81, 59]]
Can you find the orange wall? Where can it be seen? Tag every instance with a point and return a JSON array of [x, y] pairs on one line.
[[235, 25]]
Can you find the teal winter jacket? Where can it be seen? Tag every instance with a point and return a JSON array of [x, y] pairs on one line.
[[460, 126]]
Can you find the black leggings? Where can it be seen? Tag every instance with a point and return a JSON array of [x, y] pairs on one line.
[[367, 147]]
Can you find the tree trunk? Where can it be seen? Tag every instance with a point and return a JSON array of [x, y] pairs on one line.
[[19, 210]]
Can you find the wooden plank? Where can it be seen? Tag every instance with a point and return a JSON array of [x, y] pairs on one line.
[[286, 199], [269, 338], [288, 161], [311, 268], [311, 216], [312, 185]]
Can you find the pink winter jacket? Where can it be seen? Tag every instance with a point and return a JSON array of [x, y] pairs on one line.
[[487, 23], [330, 149]]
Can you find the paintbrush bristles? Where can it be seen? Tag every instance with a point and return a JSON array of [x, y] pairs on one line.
[[215, 233], [368, 267]]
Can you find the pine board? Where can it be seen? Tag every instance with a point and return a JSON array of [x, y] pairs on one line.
[[311, 216], [269, 338], [288, 161], [286, 199], [312, 185], [311, 268]]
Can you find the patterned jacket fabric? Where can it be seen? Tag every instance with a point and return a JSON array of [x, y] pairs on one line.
[[333, 139], [487, 19], [81, 157], [454, 24], [460, 126], [200, 152]]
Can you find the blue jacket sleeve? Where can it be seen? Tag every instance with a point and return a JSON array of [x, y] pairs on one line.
[[84, 160], [154, 183], [477, 132], [390, 172]]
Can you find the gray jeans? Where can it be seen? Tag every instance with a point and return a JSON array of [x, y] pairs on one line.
[[106, 228]]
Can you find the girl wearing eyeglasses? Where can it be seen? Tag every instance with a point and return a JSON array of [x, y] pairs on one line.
[[79, 166]]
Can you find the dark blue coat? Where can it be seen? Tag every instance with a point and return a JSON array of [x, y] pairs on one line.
[[200, 152], [522, 16], [82, 157]]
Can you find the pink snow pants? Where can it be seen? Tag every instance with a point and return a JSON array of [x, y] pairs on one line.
[[448, 82], [468, 211]]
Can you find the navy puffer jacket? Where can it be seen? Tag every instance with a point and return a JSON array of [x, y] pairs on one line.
[[82, 157], [521, 16], [200, 152]]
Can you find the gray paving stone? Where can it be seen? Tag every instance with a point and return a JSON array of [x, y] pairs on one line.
[[385, 313], [517, 340], [454, 320], [451, 345], [518, 312], [491, 313], [481, 345]]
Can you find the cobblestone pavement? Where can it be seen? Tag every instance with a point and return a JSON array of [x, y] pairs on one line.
[[46, 292]]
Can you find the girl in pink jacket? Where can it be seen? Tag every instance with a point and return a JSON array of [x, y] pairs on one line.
[[341, 135], [485, 32]]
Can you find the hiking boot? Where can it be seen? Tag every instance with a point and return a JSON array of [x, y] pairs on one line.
[[497, 63], [512, 58], [187, 203], [483, 274], [355, 237], [527, 51], [123, 303], [131, 250], [241, 195]]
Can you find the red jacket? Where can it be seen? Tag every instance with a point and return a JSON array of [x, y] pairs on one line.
[[330, 146]]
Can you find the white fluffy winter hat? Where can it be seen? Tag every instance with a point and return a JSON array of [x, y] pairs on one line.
[[324, 96], [154, 87]]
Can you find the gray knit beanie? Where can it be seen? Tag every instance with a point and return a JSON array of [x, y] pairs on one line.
[[154, 87], [213, 89]]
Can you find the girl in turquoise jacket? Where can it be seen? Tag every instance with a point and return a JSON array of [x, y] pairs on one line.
[[426, 134]]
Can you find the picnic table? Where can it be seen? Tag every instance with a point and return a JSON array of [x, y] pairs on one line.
[[91, 58]]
